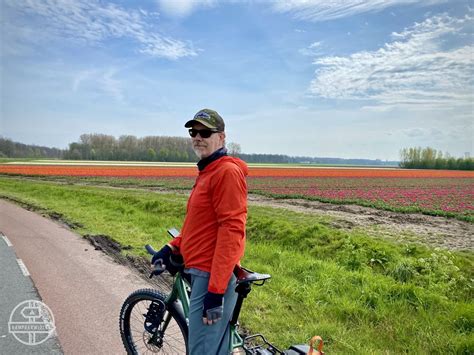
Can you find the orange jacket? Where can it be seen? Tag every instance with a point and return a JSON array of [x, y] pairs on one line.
[[213, 235]]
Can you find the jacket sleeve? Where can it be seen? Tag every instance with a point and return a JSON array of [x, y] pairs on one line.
[[229, 200]]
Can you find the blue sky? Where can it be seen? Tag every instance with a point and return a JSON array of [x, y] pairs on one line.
[[350, 79]]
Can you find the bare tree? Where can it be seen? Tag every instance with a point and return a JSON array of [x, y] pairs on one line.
[[234, 149]]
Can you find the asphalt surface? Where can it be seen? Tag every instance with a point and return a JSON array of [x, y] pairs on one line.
[[16, 287], [83, 287]]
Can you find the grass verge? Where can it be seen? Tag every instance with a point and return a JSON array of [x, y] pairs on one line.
[[362, 295]]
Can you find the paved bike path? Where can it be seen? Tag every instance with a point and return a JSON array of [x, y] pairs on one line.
[[83, 287], [16, 287]]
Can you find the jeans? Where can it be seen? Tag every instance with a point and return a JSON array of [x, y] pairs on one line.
[[209, 339]]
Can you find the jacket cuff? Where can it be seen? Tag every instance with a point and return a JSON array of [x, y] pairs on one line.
[[175, 244], [217, 290]]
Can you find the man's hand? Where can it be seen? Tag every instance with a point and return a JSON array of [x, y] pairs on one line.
[[213, 308], [162, 257]]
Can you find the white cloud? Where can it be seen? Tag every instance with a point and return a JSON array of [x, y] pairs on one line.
[[422, 66], [183, 8], [322, 10], [90, 22], [315, 44], [314, 49]]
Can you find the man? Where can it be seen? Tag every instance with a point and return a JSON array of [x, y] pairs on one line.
[[213, 235]]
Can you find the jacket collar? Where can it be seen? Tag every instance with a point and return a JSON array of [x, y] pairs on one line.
[[221, 152]]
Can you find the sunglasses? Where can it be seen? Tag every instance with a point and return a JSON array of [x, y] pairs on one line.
[[204, 133]]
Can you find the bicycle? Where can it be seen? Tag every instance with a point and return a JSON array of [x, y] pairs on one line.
[[151, 321]]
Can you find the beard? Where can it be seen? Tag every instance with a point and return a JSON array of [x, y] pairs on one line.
[[197, 151]]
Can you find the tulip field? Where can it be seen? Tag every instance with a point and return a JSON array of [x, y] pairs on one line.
[[443, 195], [437, 192]]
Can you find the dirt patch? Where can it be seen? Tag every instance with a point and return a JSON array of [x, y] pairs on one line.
[[434, 231], [106, 244], [60, 218]]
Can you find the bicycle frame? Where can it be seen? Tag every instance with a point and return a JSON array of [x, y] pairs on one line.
[[179, 292]]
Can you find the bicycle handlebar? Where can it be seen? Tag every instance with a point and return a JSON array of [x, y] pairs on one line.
[[159, 267], [150, 249]]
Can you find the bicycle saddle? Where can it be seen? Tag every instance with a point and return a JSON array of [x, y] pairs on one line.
[[246, 275]]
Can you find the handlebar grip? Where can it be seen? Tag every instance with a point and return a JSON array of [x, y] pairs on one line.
[[150, 249]]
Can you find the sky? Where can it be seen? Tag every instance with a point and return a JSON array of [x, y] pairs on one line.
[[329, 78]]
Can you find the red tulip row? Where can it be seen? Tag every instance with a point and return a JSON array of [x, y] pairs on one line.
[[283, 172]]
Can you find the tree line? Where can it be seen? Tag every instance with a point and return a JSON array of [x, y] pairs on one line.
[[98, 146], [11, 149], [151, 148], [429, 158], [285, 159]]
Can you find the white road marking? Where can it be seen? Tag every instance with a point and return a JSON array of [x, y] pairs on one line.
[[7, 241], [23, 268]]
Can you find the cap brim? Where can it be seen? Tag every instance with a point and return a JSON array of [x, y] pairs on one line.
[[190, 123]]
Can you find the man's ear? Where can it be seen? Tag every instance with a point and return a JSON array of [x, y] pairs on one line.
[[222, 135]]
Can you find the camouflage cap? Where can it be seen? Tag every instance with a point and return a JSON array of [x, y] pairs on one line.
[[208, 118]]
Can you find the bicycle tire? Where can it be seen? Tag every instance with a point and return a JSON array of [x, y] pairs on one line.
[[139, 320]]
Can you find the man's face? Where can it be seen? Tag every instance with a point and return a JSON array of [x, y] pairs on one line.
[[203, 147]]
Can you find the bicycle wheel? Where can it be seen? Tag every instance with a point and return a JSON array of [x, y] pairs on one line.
[[149, 325]]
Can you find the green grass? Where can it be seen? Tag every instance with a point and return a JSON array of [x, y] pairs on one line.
[[360, 294]]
